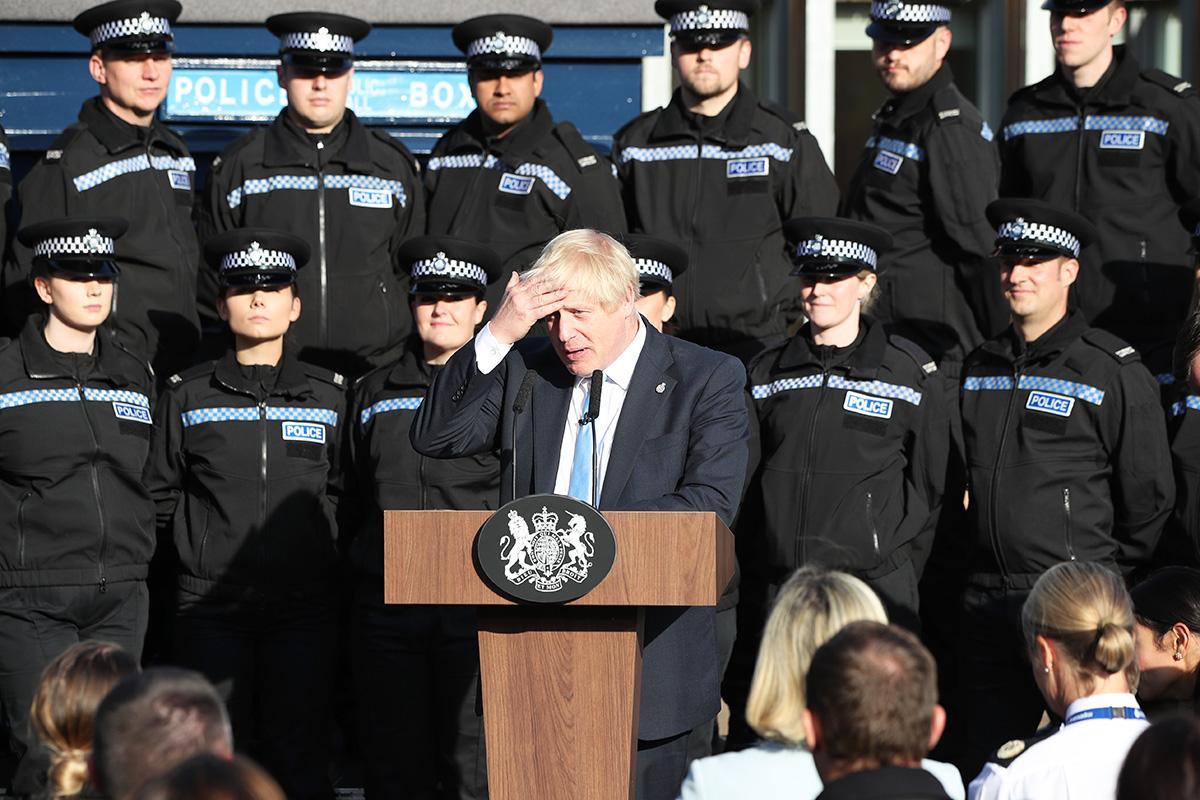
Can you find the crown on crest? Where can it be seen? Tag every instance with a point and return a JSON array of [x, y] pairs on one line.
[[545, 522]]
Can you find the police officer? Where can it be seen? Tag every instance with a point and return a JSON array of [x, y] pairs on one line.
[[76, 424], [927, 174], [508, 175], [717, 171], [6, 192], [416, 669], [245, 474], [659, 263], [119, 159], [1067, 460], [1121, 146], [350, 192]]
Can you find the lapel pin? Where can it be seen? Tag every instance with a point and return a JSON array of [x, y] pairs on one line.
[[662, 387]]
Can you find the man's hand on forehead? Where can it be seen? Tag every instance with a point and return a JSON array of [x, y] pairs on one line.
[[525, 302]]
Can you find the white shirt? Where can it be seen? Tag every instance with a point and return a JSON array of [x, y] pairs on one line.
[[489, 353], [1080, 760]]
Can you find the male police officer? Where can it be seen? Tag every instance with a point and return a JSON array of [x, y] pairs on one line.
[[118, 159], [717, 170], [928, 172], [1121, 146], [1067, 459], [508, 176], [350, 192]]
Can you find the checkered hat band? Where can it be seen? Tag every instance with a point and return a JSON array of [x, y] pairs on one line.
[[504, 45], [837, 248], [243, 259], [1037, 233], [893, 11], [321, 42], [91, 245], [145, 25], [649, 268], [449, 268], [718, 19]]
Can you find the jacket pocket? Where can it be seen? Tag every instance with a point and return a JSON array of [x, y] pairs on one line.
[[1068, 535], [21, 529]]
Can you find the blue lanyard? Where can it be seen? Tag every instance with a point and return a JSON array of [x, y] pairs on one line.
[[1106, 713]]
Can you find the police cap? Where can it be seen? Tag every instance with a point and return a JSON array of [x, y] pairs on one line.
[[1189, 215], [79, 247], [658, 261], [130, 26], [445, 265], [314, 40], [707, 23], [256, 257], [1074, 7], [833, 247], [1028, 228], [503, 42], [908, 21]]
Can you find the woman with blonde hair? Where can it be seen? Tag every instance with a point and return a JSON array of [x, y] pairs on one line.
[[64, 708], [812, 606], [1078, 624]]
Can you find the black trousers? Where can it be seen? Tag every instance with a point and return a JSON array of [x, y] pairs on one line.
[[662, 764], [416, 688], [39, 623], [272, 658]]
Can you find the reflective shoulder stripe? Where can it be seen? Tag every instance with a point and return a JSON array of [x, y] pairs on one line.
[[138, 163], [688, 152], [1035, 126], [471, 160], [529, 170], [895, 391], [395, 188], [200, 416], [977, 383], [900, 148], [987, 133], [763, 391], [31, 396], [1190, 402], [326, 416], [5, 161], [306, 183], [1121, 122], [548, 177], [116, 396], [393, 404]]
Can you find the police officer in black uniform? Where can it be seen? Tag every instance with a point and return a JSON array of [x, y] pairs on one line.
[[350, 192], [659, 264], [75, 420], [119, 159], [928, 172], [508, 175], [1121, 146], [6, 193], [717, 171], [416, 669], [245, 474], [1067, 460]]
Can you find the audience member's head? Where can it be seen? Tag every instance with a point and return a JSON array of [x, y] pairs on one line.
[[811, 607], [152, 721], [1164, 762], [1078, 624], [1167, 633], [872, 701], [211, 777], [64, 708]]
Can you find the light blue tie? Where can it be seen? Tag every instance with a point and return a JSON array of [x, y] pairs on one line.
[[581, 464]]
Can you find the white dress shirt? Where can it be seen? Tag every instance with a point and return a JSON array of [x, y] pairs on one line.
[[489, 353]]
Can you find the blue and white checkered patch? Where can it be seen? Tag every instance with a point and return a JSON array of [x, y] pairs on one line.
[[392, 404], [688, 152], [986, 132], [116, 396], [1036, 126], [201, 416], [311, 432], [900, 148], [308, 183], [879, 388], [763, 391], [1041, 383], [1092, 122], [988, 383], [32, 396], [138, 163], [1190, 402], [325, 416], [5, 162], [476, 160]]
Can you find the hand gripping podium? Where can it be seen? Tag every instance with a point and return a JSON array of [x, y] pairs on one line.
[[561, 682]]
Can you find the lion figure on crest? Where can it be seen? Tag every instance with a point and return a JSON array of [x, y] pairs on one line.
[[514, 548]]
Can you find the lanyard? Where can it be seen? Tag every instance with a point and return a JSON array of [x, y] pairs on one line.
[[1106, 713]]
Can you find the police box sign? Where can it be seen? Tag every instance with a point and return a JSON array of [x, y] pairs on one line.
[[1048, 403], [545, 548]]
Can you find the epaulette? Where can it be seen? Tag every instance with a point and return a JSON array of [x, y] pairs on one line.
[[914, 351], [1011, 750], [399, 147], [582, 153], [327, 375], [789, 117], [60, 144], [1170, 82], [195, 371], [144, 364], [947, 106], [1117, 348]]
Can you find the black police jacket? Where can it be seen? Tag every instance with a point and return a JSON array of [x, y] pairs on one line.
[[721, 187], [6, 192], [75, 434], [1181, 539], [354, 196], [516, 193], [245, 474], [853, 446], [104, 167], [1066, 452], [1126, 155], [385, 472], [928, 172]]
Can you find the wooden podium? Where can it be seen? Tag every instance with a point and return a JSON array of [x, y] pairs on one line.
[[561, 683]]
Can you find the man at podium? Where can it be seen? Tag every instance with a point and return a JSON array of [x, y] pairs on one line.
[[671, 435]]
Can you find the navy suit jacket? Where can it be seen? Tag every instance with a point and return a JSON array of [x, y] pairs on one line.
[[681, 449]]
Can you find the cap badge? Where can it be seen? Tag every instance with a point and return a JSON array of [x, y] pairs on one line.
[[93, 241], [702, 16], [893, 8], [321, 40], [146, 23], [255, 254], [1018, 228], [440, 264], [813, 246], [500, 42]]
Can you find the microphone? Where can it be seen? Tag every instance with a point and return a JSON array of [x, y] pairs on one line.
[[593, 414], [518, 408]]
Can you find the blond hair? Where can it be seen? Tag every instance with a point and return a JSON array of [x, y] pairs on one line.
[[1085, 609], [594, 265], [811, 607]]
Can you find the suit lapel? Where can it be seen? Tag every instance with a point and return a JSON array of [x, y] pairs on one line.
[[550, 402]]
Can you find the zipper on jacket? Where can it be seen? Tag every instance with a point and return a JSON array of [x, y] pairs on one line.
[[696, 192], [871, 524], [323, 312], [994, 516], [1079, 154], [387, 312], [21, 528], [806, 476], [1067, 523], [262, 478], [95, 474]]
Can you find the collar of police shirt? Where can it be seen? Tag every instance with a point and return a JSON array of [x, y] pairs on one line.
[[489, 353]]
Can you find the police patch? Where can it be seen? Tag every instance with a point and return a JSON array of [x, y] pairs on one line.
[[370, 198], [1122, 140], [304, 432], [180, 179], [877, 407], [132, 412], [1048, 403], [515, 184], [888, 162], [747, 167]]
